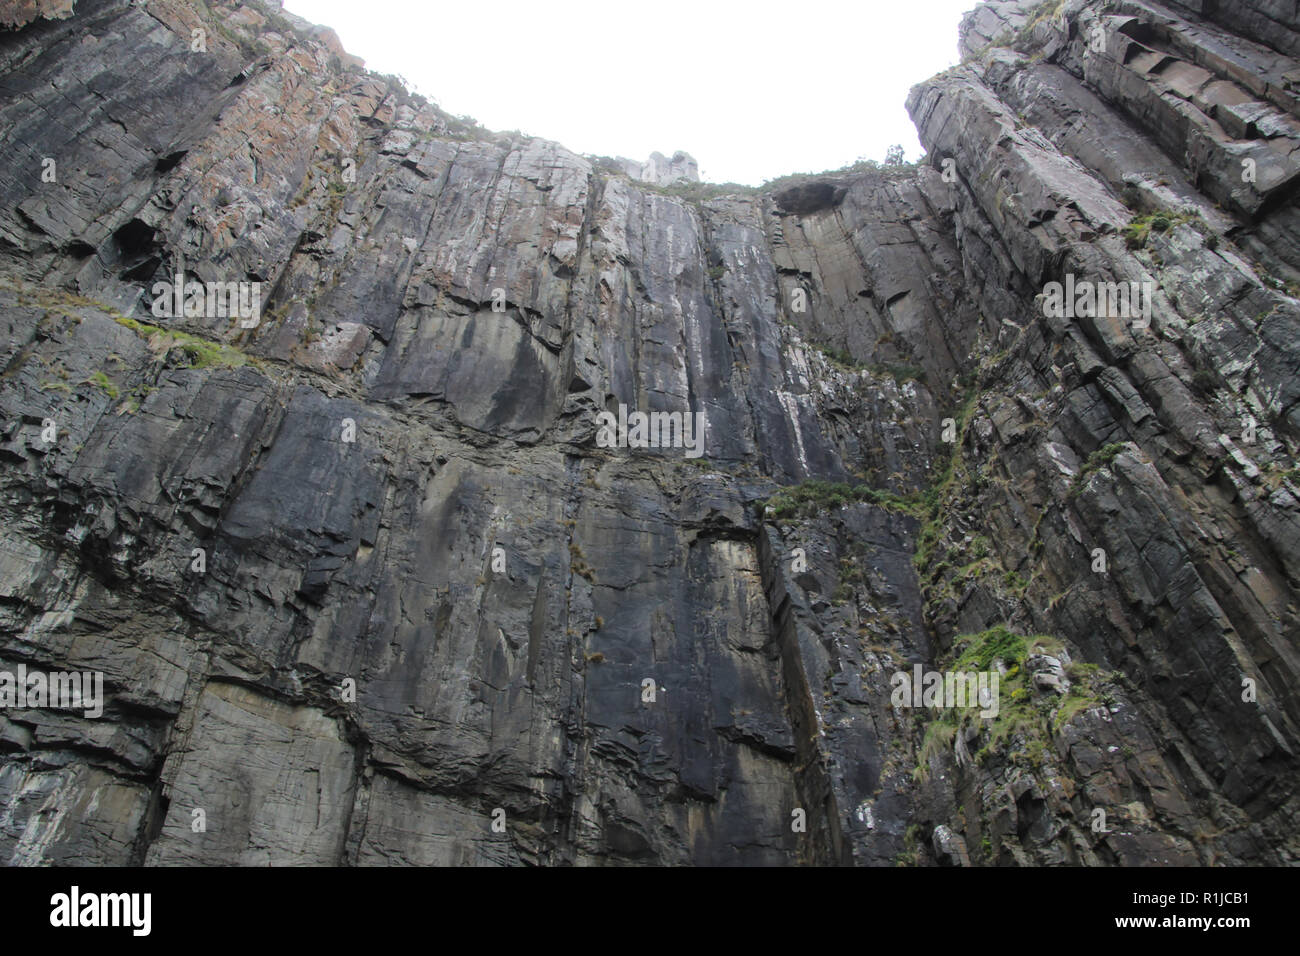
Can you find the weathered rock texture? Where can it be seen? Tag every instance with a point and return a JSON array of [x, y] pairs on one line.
[[661, 170], [236, 524]]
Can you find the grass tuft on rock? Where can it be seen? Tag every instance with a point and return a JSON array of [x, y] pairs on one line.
[[202, 353]]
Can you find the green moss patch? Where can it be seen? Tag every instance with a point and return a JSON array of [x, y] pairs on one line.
[[1099, 459], [1027, 719], [1139, 230], [810, 498], [202, 353]]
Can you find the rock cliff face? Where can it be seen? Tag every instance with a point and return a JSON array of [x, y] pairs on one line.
[[662, 171], [367, 587]]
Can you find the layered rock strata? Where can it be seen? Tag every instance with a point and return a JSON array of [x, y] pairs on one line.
[[366, 589]]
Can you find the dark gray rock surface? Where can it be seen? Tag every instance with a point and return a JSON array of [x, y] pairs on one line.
[[362, 582]]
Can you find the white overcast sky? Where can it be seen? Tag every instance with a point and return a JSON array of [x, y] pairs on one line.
[[753, 89]]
